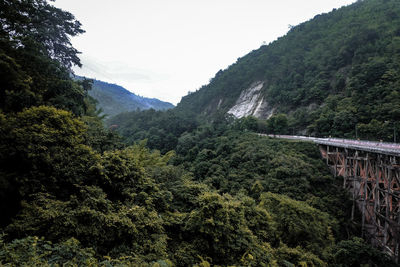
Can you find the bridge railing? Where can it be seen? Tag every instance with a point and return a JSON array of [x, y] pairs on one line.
[[380, 146], [364, 143]]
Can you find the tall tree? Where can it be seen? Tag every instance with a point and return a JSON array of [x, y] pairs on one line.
[[36, 57], [25, 21]]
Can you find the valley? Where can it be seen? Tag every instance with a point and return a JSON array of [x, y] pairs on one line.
[[94, 175]]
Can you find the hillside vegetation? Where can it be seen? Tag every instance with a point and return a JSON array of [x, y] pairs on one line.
[[73, 193], [113, 99], [336, 74]]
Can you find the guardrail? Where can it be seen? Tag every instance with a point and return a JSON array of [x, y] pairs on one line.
[[393, 148]]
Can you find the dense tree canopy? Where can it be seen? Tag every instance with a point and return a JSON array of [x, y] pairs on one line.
[[74, 193], [333, 75], [36, 55], [37, 24]]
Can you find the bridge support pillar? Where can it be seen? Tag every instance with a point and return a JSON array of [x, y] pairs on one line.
[[373, 179]]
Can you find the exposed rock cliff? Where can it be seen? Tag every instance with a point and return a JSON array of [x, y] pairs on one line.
[[252, 102]]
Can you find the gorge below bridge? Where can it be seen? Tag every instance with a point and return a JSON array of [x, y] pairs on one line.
[[371, 173]]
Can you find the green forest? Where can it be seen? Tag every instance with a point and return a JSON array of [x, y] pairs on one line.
[[161, 188], [337, 74]]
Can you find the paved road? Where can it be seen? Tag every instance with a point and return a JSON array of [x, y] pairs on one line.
[[378, 147]]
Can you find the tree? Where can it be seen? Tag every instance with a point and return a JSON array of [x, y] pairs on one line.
[[87, 215], [28, 22], [220, 223], [41, 150], [247, 123], [355, 252], [299, 224], [277, 124], [374, 130], [15, 84], [36, 57]]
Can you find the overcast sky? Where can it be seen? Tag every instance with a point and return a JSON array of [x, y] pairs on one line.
[[166, 48]]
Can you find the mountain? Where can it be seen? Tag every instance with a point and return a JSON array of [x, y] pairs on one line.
[[337, 74], [72, 194], [114, 99]]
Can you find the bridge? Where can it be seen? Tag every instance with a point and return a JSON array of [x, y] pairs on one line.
[[371, 173]]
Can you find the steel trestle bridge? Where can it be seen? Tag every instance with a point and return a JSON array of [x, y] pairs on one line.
[[371, 173]]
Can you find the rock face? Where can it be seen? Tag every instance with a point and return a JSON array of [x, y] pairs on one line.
[[252, 102]]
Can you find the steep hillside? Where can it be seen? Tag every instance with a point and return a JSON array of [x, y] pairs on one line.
[[337, 74], [71, 194], [114, 99]]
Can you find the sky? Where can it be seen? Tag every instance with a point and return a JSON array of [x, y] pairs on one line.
[[166, 48]]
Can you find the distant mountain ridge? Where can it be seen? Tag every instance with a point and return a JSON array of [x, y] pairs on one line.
[[114, 99]]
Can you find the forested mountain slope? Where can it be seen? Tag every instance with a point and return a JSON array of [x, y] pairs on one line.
[[331, 75], [71, 194], [113, 99]]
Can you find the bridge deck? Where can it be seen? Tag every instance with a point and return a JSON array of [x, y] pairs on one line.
[[370, 146], [374, 181]]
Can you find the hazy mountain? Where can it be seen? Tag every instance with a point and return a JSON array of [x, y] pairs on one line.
[[114, 99]]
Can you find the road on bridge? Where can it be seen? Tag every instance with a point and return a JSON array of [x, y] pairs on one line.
[[380, 147]]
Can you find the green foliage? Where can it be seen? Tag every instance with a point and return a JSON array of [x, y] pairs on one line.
[[122, 222], [131, 206], [29, 79], [14, 83], [42, 150], [220, 222], [277, 124], [249, 123], [34, 251], [299, 224], [26, 22], [35, 144], [113, 99], [374, 130], [160, 128], [127, 174], [329, 75], [72, 195], [36, 55], [98, 137], [297, 257], [355, 252], [234, 161], [94, 220]]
